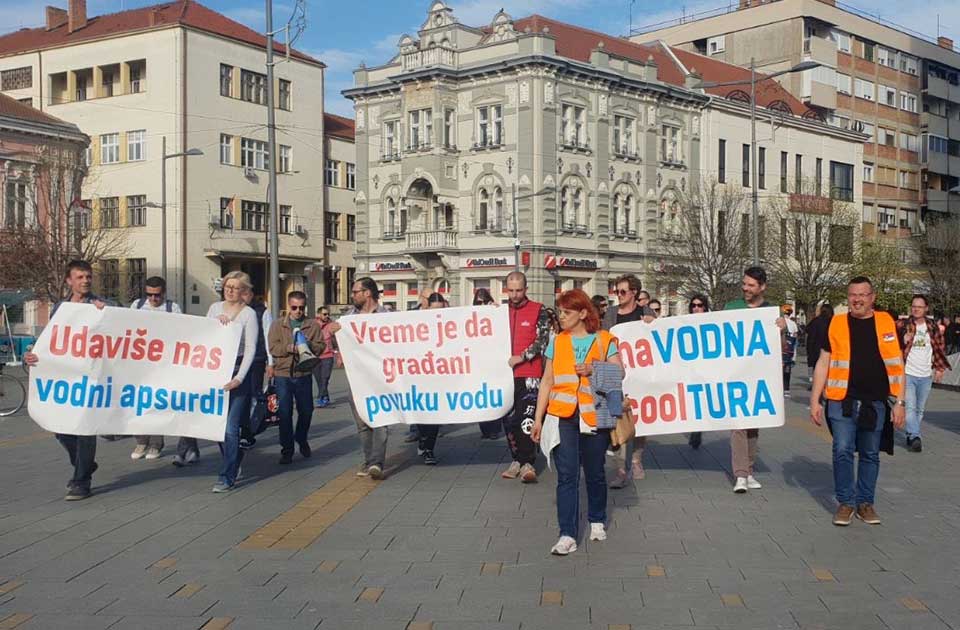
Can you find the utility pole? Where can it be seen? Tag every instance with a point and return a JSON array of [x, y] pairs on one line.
[[754, 206], [272, 185]]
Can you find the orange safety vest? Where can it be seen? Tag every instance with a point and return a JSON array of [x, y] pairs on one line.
[[570, 391], [838, 377]]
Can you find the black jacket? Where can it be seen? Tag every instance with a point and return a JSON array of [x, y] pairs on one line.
[[816, 336]]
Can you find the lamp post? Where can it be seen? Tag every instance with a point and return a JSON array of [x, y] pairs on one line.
[[163, 205], [754, 199], [516, 223]]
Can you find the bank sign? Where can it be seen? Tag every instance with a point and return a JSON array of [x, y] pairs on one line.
[[490, 261], [563, 262], [392, 265]]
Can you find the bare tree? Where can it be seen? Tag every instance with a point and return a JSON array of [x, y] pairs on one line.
[[36, 246], [811, 241], [940, 256], [881, 260], [706, 236]]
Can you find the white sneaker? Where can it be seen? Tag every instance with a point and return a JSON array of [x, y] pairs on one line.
[[564, 546], [597, 531], [139, 452], [752, 483], [152, 453], [741, 486]]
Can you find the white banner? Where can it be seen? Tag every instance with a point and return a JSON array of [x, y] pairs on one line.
[[132, 372], [434, 366], [710, 372]]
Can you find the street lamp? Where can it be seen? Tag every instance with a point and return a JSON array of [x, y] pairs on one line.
[[163, 208], [754, 208], [516, 223]]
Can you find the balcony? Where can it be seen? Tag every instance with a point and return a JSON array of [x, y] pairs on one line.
[[821, 50], [432, 241], [939, 126], [942, 89], [821, 95], [942, 201], [942, 163], [436, 56]]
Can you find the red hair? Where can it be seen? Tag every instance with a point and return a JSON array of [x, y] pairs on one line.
[[578, 300]]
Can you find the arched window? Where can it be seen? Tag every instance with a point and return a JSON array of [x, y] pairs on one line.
[[627, 222], [580, 209], [615, 214], [390, 225], [483, 211], [569, 220], [498, 219]]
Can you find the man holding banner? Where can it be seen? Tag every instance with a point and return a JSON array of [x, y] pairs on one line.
[[82, 449]]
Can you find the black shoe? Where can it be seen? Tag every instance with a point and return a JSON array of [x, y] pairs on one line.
[[916, 445], [93, 469], [429, 459], [286, 458], [695, 440], [305, 450], [247, 442], [78, 493]]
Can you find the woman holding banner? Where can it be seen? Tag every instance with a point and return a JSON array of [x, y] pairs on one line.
[[698, 305], [428, 432], [234, 309], [566, 399]]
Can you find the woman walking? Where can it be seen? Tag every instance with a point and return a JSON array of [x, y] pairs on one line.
[[699, 304]]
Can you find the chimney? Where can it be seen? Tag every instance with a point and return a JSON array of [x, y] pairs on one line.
[[55, 18], [155, 17], [945, 42], [76, 15]]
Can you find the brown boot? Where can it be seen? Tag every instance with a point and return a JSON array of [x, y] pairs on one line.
[[867, 514], [844, 515]]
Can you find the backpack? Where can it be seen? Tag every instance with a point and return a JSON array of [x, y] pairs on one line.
[[168, 304]]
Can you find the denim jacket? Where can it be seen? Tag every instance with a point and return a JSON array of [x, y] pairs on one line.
[[607, 384]]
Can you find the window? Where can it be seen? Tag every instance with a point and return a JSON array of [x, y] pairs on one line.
[[28, 101], [254, 153], [226, 149], [843, 83], [351, 176], [745, 166], [783, 171], [842, 39], [670, 150], [351, 227], [762, 167], [390, 222], [886, 137], [332, 173], [331, 285], [110, 279], [716, 44], [421, 129], [623, 135], [573, 210], [622, 214], [226, 213], [838, 121], [489, 126], [579, 209], [17, 208], [136, 78], [869, 51], [483, 210], [841, 181], [81, 94], [331, 225], [818, 176], [841, 243], [253, 87], [285, 159], [908, 64], [824, 75], [285, 217], [283, 95], [798, 174], [136, 145], [908, 179], [253, 216], [449, 127], [909, 141], [226, 80], [391, 138], [908, 102], [110, 212], [886, 176], [887, 96], [722, 162], [574, 126], [136, 210], [886, 57], [136, 276], [106, 77], [110, 148], [16, 78], [868, 173], [864, 89], [939, 144]]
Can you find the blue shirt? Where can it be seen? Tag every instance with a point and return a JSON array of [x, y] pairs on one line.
[[581, 347]]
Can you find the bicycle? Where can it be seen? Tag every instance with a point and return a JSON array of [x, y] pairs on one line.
[[13, 395]]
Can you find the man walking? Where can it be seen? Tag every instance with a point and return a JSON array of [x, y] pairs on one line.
[[154, 299], [743, 442], [294, 384], [324, 368], [816, 336], [82, 449], [925, 362], [860, 371], [529, 336], [373, 441]]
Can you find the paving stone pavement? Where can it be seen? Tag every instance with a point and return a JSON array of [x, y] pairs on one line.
[[456, 547]]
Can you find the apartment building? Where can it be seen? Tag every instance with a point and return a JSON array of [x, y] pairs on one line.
[[340, 219], [151, 85], [897, 86], [543, 146]]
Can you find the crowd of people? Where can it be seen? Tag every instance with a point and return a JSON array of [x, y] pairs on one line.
[[869, 374]]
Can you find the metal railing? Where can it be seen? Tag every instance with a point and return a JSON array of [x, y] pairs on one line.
[[433, 240]]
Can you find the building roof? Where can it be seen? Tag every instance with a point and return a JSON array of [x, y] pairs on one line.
[[339, 127], [188, 13], [25, 118], [575, 42]]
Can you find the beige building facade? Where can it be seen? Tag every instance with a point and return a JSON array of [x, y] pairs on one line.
[[340, 219]]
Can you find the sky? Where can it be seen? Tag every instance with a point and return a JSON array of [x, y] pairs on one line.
[[344, 33]]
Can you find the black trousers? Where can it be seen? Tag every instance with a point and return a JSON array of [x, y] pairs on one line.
[[428, 436], [518, 424], [82, 450]]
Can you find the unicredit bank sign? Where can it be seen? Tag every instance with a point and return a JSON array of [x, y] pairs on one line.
[[391, 265], [564, 262], [490, 261]]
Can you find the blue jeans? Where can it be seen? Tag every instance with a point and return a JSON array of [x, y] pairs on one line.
[[237, 416], [580, 449], [847, 438], [297, 390], [918, 388]]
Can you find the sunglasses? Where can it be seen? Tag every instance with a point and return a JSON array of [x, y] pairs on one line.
[[623, 291], [154, 295], [296, 308], [655, 310], [697, 305]]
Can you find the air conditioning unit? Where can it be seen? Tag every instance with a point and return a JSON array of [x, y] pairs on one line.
[[331, 242], [300, 230], [249, 172]]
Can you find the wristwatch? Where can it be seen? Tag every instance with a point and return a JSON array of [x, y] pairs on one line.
[[894, 402]]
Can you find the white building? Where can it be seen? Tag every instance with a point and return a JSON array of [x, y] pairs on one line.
[[181, 73]]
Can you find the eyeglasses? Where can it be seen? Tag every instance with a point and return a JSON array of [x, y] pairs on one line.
[[623, 291], [697, 305], [655, 310], [324, 314], [296, 308]]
